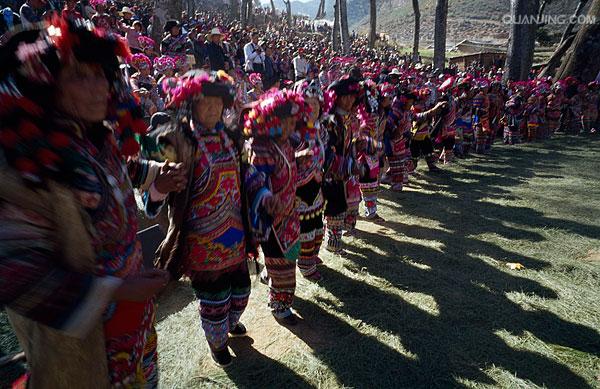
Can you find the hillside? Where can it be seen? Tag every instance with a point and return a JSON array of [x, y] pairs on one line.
[[467, 19]]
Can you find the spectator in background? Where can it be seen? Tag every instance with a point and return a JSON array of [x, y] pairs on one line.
[[101, 18], [175, 43], [8, 20], [132, 33], [215, 51], [254, 55], [70, 10], [271, 74], [31, 12], [127, 16], [198, 47], [300, 66]]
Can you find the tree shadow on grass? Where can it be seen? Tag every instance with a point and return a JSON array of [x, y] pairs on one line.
[[251, 367], [454, 331], [455, 343]]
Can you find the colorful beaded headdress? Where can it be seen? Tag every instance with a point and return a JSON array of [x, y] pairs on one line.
[[264, 120], [140, 62], [197, 83], [164, 63], [30, 64], [146, 42]]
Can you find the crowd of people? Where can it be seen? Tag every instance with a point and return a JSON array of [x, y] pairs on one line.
[[251, 140]]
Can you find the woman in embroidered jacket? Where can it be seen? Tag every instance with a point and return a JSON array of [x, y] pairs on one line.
[[71, 270], [206, 238], [310, 156], [340, 158], [271, 182], [373, 117]]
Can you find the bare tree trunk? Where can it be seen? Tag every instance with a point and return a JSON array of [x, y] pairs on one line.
[[417, 31], [235, 9], [288, 11], [321, 11], [249, 9], [335, 35], [372, 23], [522, 40], [556, 58], [344, 27], [582, 58], [527, 57], [439, 35], [571, 25], [543, 8], [273, 7], [244, 13]]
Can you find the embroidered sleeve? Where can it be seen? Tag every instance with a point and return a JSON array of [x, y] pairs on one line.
[[258, 190], [336, 165], [34, 284]]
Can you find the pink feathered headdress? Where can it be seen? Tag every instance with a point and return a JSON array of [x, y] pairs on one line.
[[140, 61], [164, 63], [145, 42], [255, 79], [197, 84], [264, 120]]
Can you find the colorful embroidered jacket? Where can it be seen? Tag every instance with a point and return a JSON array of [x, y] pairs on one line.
[[309, 138], [398, 130], [213, 229], [371, 133], [36, 284], [272, 172], [176, 45], [340, 162], [553, 107]]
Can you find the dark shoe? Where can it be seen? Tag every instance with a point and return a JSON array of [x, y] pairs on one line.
[[315, 277], [434, 169], [289, 320], [238, 331], [221, 358]]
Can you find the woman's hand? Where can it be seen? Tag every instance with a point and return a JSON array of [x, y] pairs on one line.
[[143, 286], [171, 178]]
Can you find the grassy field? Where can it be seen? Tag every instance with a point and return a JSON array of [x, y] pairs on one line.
[[426, 299]]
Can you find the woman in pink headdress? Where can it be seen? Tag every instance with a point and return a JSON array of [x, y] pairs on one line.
[[255, 80], [553, 108], [590, 107], [271, 182], [144, 85]]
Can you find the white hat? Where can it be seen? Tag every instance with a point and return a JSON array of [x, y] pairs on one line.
[[126, 10], [395, 72], [215, 31]]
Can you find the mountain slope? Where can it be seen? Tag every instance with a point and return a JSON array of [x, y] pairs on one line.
[[467, 19]]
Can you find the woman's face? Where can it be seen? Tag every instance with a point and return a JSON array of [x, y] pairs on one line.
[[83, 92], [315, 108], [208, 111], [346, 102], [288, 126]]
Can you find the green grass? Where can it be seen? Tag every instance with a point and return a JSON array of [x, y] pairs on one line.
[[425, 299]]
